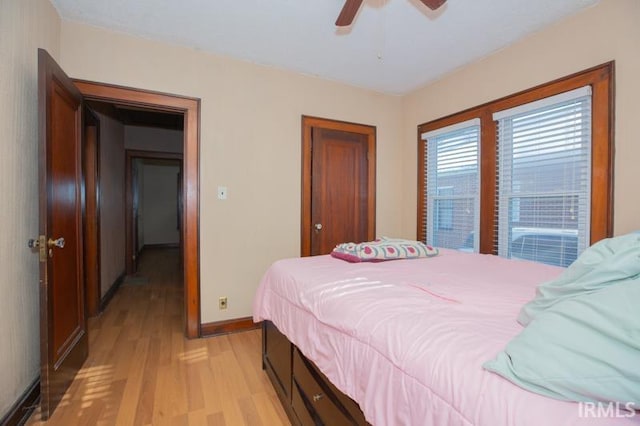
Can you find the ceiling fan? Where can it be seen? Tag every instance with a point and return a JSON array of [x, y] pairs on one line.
[[351, 7]]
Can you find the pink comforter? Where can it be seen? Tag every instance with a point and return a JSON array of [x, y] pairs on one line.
[[407, 339]]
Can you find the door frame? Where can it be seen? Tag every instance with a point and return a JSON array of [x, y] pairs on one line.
[[131, 252], [190, 108], [91, 216], [308, 123]]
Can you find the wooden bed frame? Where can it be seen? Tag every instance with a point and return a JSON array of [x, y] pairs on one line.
[[307, 396]]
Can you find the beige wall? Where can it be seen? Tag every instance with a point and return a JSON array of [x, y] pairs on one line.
[[25, 25], [112, 201], [153, 139], [250, 142], [158, 202], [608, 31]]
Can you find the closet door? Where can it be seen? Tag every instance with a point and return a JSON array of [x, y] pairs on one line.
[[338, 184]]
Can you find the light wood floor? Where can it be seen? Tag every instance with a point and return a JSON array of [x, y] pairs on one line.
[[142, 371]]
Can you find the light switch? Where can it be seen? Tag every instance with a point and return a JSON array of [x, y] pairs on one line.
[[222, 193]]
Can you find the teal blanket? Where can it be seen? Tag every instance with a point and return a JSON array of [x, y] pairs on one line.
[[610, 261], [582, 335]]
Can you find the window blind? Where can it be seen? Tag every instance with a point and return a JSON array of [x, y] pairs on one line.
[[453, 186], [544, 178]]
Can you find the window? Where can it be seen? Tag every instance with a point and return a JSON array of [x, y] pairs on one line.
[[543, 171], [453, 183], [444, 212]]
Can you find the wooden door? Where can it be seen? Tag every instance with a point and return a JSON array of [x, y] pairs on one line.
[[63, 325], [341, 184]]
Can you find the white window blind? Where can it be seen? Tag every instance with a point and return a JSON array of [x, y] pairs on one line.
[[453, 186], [544, 178]]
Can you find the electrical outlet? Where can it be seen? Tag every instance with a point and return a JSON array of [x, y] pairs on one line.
[[222, 303]]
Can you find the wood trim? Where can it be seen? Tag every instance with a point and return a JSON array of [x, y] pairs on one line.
[[421, 227], [601, 79], [91, 161], [563, 84], [488, 184], [104, 301], [308, 123], [305, 208], [602, 173], [154, 155], [20, 412], [235, 325], [190, 108], [160, 246]]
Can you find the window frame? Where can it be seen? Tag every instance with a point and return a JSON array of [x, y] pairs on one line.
[[601, 80]]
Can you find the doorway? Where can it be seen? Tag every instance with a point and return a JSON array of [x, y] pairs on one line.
[[154, 211], [338, 184], [189, 109]]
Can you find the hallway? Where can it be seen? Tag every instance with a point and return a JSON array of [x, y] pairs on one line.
[[141, 369]]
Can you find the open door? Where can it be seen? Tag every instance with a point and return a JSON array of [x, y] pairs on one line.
[[63, 324]]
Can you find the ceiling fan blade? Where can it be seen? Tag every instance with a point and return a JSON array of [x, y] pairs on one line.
[[348, 13], [433, 4]]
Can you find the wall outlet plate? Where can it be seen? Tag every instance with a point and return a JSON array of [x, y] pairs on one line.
[[222, 303]]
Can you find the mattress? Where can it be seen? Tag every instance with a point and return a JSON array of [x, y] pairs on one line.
[[407, 339]]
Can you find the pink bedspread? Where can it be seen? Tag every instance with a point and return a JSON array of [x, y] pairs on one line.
[[407, 339]]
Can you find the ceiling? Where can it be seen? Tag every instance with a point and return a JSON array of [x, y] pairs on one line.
[[393, 46]]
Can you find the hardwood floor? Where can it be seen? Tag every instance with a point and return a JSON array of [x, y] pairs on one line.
[[141, 369]]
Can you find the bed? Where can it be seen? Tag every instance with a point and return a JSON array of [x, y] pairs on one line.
[[403, 342]]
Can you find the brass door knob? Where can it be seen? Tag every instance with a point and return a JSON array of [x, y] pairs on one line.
[[58, 242]]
